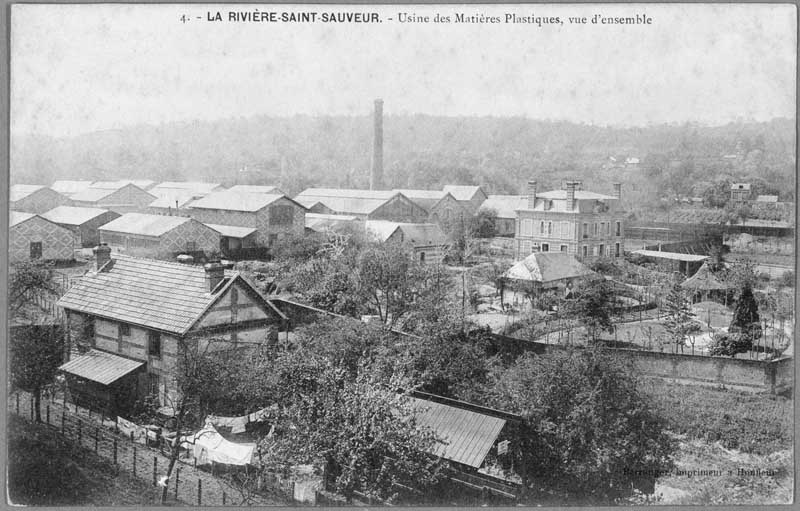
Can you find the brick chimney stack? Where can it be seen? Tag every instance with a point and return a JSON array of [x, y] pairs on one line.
[[102, 255], [376, 174], [531, 194], [215, 272], [618, 191], [571, 194]]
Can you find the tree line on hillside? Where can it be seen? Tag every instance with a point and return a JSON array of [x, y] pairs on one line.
[[422, 151]]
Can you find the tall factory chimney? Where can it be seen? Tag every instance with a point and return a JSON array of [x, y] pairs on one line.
[[376, 176]]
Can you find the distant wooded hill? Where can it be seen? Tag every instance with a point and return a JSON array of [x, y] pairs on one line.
[[425, 152]]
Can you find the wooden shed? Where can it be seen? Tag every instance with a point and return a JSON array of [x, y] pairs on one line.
[[31, 237]]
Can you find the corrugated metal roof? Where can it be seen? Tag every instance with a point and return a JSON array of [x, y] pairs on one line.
[[99, 366], [462, 192], [505, 205], [548, 267], [233, 201], [351, 193], [18, 192], [468, 435], [196, 187], [233, 231], [17, 217], [144, 225], [351, 205], [162, 295], [71, 215], [675, 256], [425, 198]]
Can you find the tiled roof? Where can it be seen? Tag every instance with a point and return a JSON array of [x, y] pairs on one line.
[[255, 189], [155, 294], [233, 201], [72, 215], [675, 256], [416, 234], [92, 194], [233, 231], [468, 435], [424, 198], [547, 267], [143, 224], [197, 188], [17, 217], [322, 222], [462, 192], [167, 201], [104, 368], [19, 192], [68, 187], [354, 202], [505, 205], [579, 195]]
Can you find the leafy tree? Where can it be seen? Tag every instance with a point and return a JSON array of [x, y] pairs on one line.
[[593, 308], [745, 319], [729, 344], [363, 430], [35, 353], [587, 431], [787, 279], [298, 248], [29, 279], [679, 322], [485, 222]]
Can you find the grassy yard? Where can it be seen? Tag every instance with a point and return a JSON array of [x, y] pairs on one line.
[[755, 424], [45, 470]]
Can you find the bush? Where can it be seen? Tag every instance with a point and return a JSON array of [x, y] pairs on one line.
[[728, 345], [787, 279]]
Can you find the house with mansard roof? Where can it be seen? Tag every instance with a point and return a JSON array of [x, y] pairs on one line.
[[35, 199], [272, 216], [366, 204], [469, 196], [31, 237], [159, 236], [83, 222], [140, 314], [119, 196]]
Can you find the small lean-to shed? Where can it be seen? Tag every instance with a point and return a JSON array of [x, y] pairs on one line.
[[31, 237], [35, 199], [159, 236], [83, 222]]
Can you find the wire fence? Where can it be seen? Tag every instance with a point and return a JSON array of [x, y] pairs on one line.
[[187, 483]]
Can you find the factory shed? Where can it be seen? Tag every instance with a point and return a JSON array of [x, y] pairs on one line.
[[160, 236], [83, 222], [35, 199], [31, 238]]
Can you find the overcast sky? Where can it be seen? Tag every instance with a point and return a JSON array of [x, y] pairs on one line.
[[81, 68]]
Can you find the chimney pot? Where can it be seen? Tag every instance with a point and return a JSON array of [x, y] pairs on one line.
[[102, 255], [215, 272], [531, 194], [571, 195]]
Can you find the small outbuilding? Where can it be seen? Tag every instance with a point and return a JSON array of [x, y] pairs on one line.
[[687, 264], [31, 237], [506, 207], [543, 272], [83, 222], [427, 240]]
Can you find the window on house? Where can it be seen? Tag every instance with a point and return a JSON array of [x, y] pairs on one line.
[[191, 246], [585, 251], [124, 329], [152, 384], [88, 328], [595, 228], [36, 249], [280, 215], [273, 238], [564, 248], [541, 227], [585, 230], [545, 247], [616, 250], [602, 250], [619, 228], [154, 344], [549, 228], [422, 257]]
